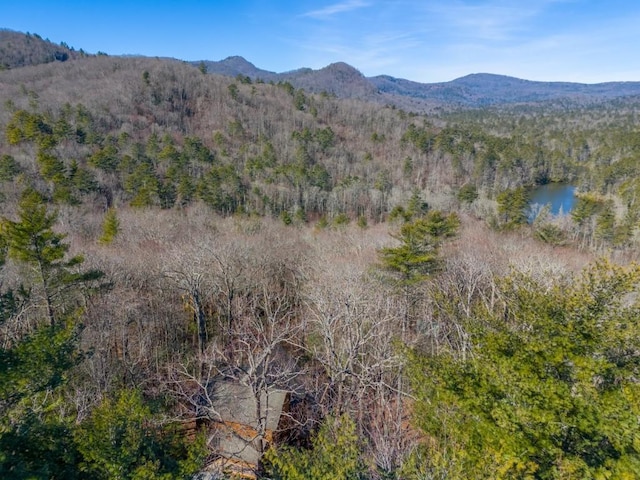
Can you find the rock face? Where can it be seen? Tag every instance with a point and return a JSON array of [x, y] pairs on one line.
[[239, 436]]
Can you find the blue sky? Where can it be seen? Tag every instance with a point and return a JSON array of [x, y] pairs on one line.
[[585, 41]]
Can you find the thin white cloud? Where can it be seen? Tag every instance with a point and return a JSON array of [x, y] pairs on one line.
[[370, 52], [336, 8], [487, 20], [443, 39], [492, 21]]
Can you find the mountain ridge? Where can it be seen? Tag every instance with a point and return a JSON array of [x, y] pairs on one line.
[[475, 90], [26, 49]]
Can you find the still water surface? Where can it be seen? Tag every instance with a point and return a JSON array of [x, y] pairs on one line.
[[559, 195]]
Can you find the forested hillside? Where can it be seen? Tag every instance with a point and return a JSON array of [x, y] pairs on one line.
[[479, 90], [20, 50], [166, 232]]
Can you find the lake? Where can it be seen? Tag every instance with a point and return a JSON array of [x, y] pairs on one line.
[[559, 195]]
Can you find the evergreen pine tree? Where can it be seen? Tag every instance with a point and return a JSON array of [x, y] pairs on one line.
[[32, 241], [110, 227]]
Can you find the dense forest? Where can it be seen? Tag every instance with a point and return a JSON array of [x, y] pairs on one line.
[[166, 232]]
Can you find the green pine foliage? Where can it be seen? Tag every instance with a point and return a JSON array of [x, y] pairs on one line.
[[334, 455], [38, 446], [286, 217], [9, 168], [416, 206], [110, 227], [340, 220], [35, 439], [467, 194], [124, 439], [417, 255], [36, 364], [25, 126], [513, 205], [548, 389], [606, 223], [551, 234], [32, 241]]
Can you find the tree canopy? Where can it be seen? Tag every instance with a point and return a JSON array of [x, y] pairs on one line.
[[549, 389]]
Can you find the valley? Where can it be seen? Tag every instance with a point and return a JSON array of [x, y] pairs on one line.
[[209, 267]]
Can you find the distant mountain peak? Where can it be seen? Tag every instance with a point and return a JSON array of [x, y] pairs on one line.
[[475, 90], [342, 68], [237, 60], [470, 91], [339, 78], [235, 57], [236, 65], [485, 75], [488, 78]]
